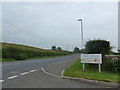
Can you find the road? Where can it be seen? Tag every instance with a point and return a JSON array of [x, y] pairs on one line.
[[17, 67], [28, 74]]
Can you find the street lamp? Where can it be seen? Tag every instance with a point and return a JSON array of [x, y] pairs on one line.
[[81, 33], [82, 40]]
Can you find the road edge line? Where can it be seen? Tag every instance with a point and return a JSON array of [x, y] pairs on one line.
[[49, 73]]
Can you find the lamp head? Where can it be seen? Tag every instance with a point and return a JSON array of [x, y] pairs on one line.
[[79, 19]]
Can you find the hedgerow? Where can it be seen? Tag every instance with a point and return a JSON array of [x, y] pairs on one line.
[[18, 52]]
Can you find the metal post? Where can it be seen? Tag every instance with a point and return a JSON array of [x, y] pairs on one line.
[[67, 47], [99, 68], [82, 40], [82, 34], [81, 25], [55, 44], [72, 47], [83, 67]]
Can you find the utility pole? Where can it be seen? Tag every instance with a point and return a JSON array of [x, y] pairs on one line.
[[23, 43], [67, 47], [72, 47], [55, 44]]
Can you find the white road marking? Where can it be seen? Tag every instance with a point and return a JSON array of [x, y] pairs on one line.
[[33, 70], [24, 73], [49, 73], [2, 81], [12, 77], [17, 75]]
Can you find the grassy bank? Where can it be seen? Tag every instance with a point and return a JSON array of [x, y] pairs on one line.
[[75, 70], [13, 52]]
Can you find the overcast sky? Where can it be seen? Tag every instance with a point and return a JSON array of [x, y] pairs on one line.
[[43, 24]]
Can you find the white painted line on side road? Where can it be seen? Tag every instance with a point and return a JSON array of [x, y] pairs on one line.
[[33, 70], [12, 77], [2, 81], [24, 73], [49, 73]]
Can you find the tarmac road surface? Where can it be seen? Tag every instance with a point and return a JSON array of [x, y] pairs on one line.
[[29, 74], [17, 67]]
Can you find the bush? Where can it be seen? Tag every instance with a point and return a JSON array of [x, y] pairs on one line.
[[20, 56], [111, 65], [0, 53], [53, 48], [115, 65], [97, 47], [76, 50], [107, 65], [59, 49]]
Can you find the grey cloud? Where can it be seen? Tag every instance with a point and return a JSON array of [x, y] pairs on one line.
[[48, 23]]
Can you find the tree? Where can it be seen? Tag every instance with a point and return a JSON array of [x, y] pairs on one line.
[[118, 50], [82, 50], [53, 48], [97, 47], [59, 49], [76, 50]]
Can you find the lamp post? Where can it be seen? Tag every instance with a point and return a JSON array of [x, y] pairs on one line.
[[82, 39], [81, 33]]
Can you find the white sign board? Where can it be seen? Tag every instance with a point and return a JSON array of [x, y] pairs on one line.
[[91, 58]]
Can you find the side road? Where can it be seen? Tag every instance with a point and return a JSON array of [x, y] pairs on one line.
[[42, 79], [57, 69]]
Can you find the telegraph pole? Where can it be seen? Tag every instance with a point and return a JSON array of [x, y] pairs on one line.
[[55, 44], [67, 47], [72, 47]]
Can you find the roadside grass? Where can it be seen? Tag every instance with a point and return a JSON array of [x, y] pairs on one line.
[[7, 60], [75, 70]]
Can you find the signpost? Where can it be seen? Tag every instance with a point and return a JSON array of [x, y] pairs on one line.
[[91, 58]]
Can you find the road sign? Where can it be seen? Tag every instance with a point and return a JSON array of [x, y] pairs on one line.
[[91, 58]]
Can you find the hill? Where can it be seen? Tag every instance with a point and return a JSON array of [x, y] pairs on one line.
[[22, 52]]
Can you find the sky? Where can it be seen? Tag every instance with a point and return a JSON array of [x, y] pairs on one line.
[[44, 24]]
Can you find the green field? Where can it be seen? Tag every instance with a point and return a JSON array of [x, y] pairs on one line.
[[13, 52], [75, 70]]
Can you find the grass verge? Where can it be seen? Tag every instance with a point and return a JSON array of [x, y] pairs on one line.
[[75, 70]]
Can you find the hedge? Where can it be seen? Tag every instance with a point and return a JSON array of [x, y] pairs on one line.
[[97, 47], [20, 54]]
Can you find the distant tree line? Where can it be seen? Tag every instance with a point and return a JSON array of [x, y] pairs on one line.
[[59, 49], [92, 47]]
